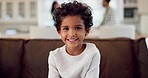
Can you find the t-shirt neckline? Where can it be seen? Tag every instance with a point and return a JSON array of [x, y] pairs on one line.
[[76, 56]]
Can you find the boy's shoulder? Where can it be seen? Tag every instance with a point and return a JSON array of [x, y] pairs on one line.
[[92, 47], [57, 50], [88, 43]]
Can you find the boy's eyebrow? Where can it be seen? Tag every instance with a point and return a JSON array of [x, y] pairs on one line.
[[64, 26], [79, 25]]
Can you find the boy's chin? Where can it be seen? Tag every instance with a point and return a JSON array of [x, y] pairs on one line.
[[71, 44]]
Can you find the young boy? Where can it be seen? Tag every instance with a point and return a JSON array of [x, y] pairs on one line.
[[75, 59]]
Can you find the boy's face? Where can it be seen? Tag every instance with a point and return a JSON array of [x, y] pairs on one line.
[[72, 31]]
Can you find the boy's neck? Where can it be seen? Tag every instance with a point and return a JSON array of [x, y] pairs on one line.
[[75, 51]]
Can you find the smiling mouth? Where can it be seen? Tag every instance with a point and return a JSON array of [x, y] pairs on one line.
[[72, 40]]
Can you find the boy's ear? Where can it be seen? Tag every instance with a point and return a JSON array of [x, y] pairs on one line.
[[58, 32], [87, 31]]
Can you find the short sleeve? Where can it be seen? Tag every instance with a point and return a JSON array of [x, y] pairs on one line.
[[53, 72], [93, 71]]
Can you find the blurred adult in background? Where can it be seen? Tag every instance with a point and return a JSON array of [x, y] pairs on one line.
[[55, 5], [109, 16]]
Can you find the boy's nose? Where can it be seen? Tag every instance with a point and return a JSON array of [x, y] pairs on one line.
[[72, 32]]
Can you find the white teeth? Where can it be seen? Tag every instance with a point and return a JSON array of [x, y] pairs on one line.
[[72, 39]]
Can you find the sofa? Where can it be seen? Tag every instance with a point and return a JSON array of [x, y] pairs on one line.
[[28, 58]]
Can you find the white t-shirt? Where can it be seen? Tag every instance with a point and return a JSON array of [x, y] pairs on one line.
[[146, 40], [85, 65]]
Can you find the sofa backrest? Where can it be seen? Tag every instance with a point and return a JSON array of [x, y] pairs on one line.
[[120, 58], [35, 57], [142, 58], [11, 55]]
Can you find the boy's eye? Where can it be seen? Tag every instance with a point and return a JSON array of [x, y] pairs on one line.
[[65, 28], [78, 28]]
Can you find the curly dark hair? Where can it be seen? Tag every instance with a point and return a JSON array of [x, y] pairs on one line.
[[72, 9]]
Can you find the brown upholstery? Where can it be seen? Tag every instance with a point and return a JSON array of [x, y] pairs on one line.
[[35, 57], [143, 58], [11, 55], [120, 57], [117, 58]]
